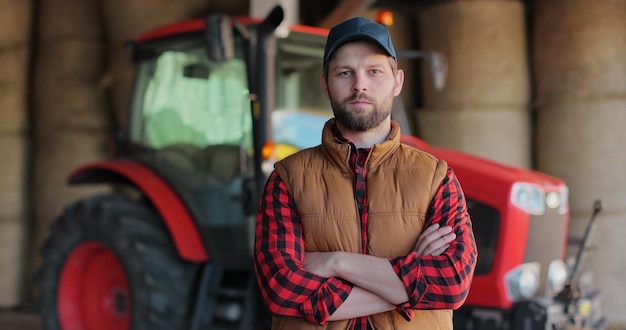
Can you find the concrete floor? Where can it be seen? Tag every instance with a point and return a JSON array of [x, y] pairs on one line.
[[13, 320]]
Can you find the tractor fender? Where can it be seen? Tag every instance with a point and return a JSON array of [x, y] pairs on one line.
[[177, 217]]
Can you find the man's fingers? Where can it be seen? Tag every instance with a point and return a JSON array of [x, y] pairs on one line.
[[438, 244], [440, 251], [431, 229], [433, 239], [433, 233], [441, 243], [423, 239]]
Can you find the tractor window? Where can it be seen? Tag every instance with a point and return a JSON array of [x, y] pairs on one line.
[[190, 100], [298, 75], [301, 106], [486, 224]]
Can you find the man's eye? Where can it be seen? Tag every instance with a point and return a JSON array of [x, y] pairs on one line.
[[376, 71]]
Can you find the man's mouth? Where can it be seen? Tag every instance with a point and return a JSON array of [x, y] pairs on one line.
[[360, 102], [359, 99]]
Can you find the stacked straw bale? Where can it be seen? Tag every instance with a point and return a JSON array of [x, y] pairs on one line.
[[484, 107], [579, 55], [15, 31], [72, 125]]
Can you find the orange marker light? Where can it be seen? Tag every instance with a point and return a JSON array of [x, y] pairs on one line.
[[268, 150], [385, 17]]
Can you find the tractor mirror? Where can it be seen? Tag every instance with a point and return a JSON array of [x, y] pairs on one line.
[[219, 37], [437, 65], [274, 17]]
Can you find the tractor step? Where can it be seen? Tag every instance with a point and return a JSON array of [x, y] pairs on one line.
[[226, 299]]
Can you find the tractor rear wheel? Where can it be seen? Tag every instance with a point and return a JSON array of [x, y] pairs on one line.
[[109, 263]]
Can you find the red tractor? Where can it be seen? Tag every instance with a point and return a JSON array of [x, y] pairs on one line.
[[215, 103]]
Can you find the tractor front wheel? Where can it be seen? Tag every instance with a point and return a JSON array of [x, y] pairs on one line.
[[109, 263]]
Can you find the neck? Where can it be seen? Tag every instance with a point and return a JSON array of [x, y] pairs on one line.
[[368, 138]]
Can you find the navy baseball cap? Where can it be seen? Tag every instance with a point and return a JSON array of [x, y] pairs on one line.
[[358, 28]]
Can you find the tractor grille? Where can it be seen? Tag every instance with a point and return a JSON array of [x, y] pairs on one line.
[[547, 236]]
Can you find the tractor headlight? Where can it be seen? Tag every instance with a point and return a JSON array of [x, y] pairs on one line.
[[528, 197], [558, 200], [522, 282], [557, 276], [229, 311]]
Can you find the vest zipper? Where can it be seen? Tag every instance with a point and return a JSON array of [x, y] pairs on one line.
[[358, 220], [359, 167]]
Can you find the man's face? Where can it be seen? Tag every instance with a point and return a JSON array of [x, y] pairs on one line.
[[361, 85]]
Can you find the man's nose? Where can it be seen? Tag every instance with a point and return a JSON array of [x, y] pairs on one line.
[[359, 84]]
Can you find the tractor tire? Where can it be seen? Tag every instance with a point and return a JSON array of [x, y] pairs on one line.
[[110, 263]]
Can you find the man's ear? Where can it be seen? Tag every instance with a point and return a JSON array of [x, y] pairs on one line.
[[399, 83], [324, 85]]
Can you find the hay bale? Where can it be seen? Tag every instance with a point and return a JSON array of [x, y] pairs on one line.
[[580, 54], [13, 89], [13, 204], [487, 132], [69, 19], [483, 109], [67, 86], [12, 236], [581, 142], [15, 31], [15, 22], [13, 192], [485, 42]]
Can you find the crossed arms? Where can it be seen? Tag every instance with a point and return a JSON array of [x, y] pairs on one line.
[[328, 286]]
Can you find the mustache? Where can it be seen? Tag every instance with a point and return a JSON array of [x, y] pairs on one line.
[[359, 96]]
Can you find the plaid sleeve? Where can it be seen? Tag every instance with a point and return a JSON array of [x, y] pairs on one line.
[[441, 282], [287, 288]]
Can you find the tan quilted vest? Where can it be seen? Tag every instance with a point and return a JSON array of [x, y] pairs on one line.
[[400, 184]]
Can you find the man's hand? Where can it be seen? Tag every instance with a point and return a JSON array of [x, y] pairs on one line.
[[434, 240]]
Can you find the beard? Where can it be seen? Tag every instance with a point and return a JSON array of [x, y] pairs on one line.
[[361, 121]]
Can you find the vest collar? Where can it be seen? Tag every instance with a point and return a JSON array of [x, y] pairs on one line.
[[339, 153]]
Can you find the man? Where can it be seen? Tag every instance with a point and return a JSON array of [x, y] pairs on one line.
[[363, 232]]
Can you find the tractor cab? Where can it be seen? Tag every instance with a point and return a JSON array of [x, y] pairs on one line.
[[211, 126]]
